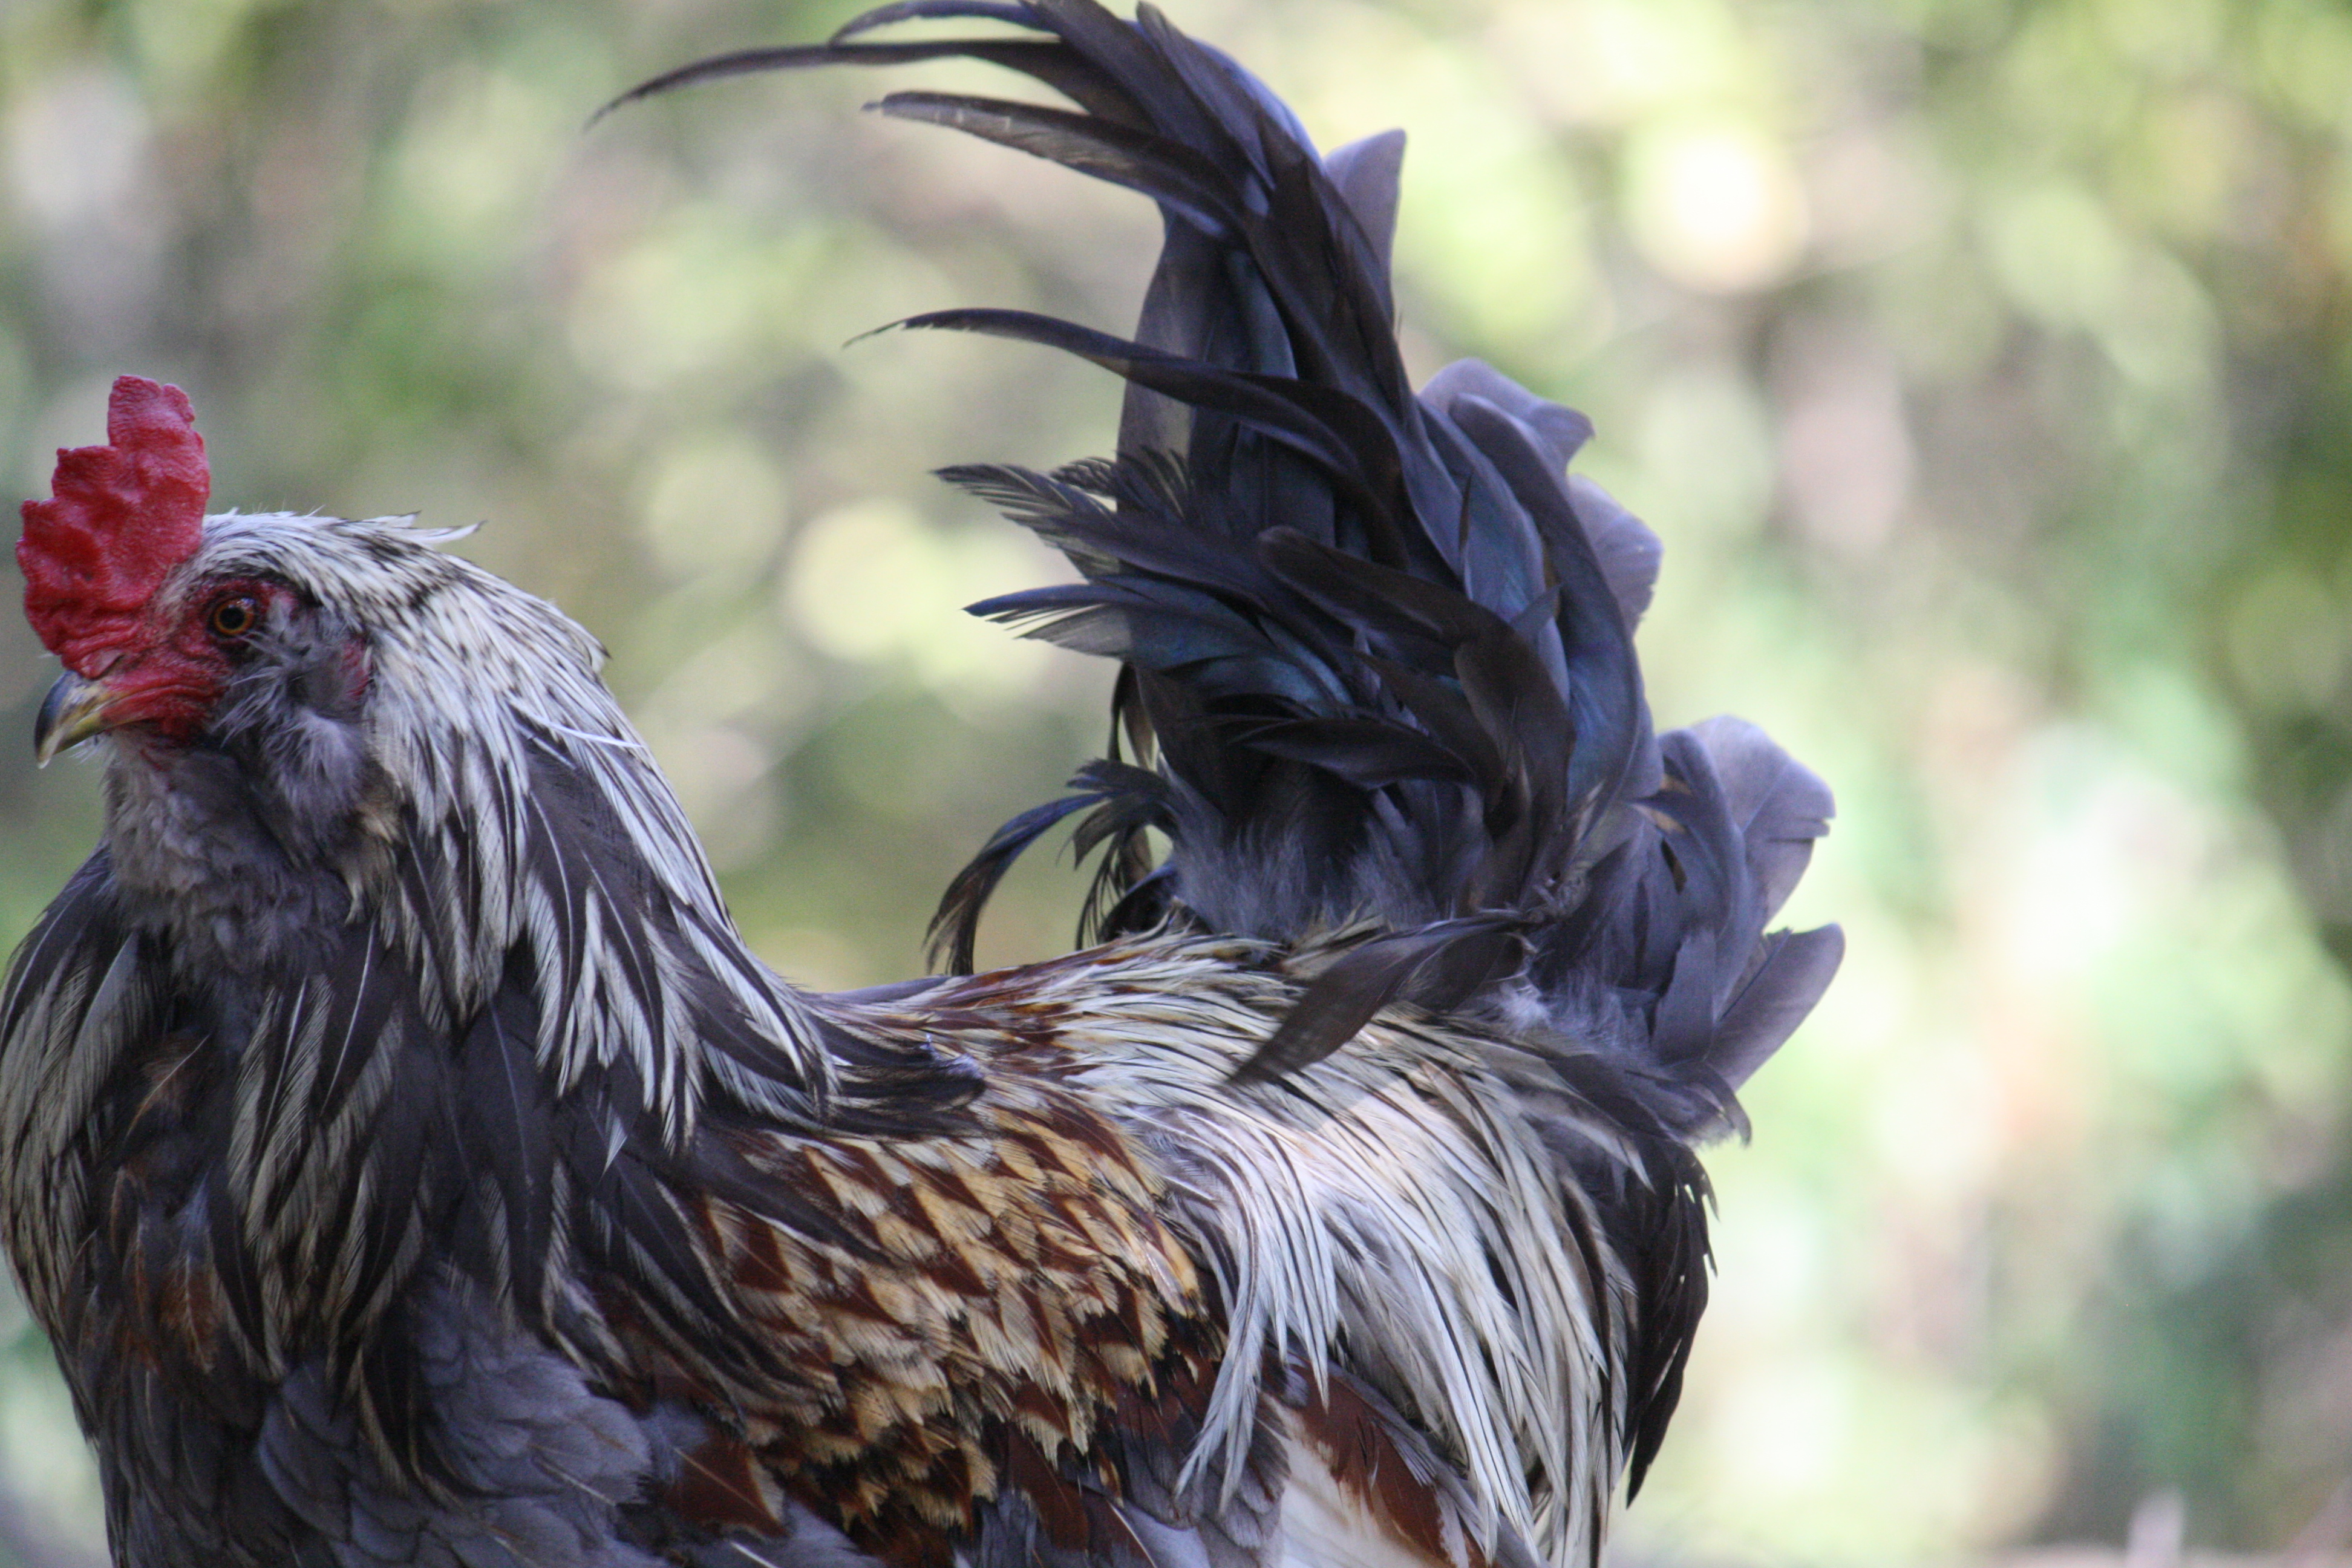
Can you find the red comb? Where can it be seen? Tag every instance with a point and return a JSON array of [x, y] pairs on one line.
[[121, 517]]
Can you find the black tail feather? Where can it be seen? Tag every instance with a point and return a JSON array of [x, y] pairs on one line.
[[1125, 802], [1379, 666]]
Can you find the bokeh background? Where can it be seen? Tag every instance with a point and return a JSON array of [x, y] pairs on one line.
[[1986, 365]]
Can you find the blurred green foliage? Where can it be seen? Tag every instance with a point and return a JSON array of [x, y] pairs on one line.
[[1984, 363]]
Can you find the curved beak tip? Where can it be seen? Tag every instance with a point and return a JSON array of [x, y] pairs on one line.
[[73, 711]]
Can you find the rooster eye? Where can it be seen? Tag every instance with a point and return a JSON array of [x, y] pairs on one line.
[[234, 617]]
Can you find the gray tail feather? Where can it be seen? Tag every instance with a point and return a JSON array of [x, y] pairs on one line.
[[1377, 649]]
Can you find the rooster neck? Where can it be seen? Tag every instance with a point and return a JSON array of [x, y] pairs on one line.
[[234, 875], [437, 1037], [286, 1134], [548, 858]]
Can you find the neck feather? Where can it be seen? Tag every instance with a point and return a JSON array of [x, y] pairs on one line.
[[549, 849]]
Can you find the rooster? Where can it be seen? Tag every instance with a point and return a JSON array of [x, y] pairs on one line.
[[411, 1163]]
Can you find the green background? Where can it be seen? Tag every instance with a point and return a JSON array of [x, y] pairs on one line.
[[1982, 362]]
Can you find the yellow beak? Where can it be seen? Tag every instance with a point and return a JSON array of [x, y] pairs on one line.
[[74, 710]]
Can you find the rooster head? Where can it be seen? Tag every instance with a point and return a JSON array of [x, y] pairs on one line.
[[285, 688], [180, 631], [167, 629]]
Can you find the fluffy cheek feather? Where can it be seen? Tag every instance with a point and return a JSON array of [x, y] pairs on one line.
[[170, 681]]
